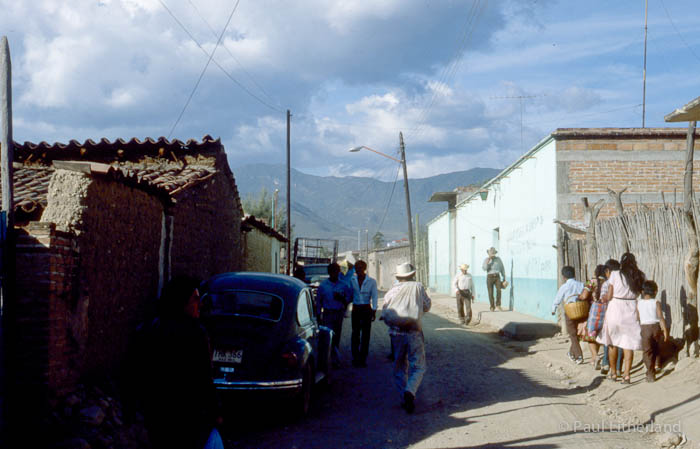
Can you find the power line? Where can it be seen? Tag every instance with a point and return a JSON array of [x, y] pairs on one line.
[[231, 77], [678, 32], [250, 77], [450, 70], [388, 204], [201, 75]]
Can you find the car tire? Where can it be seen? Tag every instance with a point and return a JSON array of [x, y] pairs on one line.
[[302, 402]]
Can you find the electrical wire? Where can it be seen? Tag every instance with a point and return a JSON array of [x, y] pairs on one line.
[[201, 75], [450, 70], [678, 32], [231, 77], [250, 77], [388, 204]]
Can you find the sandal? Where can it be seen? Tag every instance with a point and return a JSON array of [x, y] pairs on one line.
[[626, 380], [613, 376]]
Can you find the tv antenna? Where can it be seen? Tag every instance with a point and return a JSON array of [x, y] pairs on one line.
[[520, 98]]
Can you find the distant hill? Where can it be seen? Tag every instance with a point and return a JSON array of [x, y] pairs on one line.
[[329, 206]]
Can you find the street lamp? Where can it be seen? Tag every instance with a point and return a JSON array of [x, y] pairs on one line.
[[401, 161]]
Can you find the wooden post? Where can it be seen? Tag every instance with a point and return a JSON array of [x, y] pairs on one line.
[[692, 260], [591, 245], [8, 254], [617, 196], [7, 149]]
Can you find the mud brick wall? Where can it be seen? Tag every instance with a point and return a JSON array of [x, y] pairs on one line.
[[46, 270], [118, 234], [207, 236], [258, 251], [645, 161]]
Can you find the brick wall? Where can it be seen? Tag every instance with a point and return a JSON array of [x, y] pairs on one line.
[[46, 264], [644, 161]]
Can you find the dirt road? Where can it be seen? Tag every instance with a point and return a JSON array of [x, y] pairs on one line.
[[480, 390]]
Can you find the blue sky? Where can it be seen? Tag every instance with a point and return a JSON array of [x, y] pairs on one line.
[[352, 72]]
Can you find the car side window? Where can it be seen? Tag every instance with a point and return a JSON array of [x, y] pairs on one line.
[[303, 310]]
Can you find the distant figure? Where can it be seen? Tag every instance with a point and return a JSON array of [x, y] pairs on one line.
[[171, 373], [403, 309], [596, 313], [621, 327], [463, 286], [332, 299], [568, 293], [299, 273], [364, 309], [654, 330], [493, 266]]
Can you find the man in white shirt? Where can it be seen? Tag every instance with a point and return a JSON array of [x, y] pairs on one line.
[[364, 309], [404, 306], [463, 288], [568, 293]]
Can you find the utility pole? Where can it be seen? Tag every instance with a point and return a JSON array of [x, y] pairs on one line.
[[289, 196], [644, 76], [7, 280], [408, 201]]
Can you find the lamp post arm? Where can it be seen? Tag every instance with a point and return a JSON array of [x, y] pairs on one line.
[[382, 154]]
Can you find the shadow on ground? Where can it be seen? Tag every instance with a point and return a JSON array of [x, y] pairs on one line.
[[361, 407]]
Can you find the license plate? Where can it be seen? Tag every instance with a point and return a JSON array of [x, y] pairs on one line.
[[234, 356]]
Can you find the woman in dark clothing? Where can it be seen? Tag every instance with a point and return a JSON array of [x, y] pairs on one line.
[[172, 375]]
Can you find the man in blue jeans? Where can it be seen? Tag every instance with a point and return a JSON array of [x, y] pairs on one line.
[[333, 296]]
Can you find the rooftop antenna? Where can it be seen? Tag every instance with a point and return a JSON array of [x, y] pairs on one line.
[[519, 98]]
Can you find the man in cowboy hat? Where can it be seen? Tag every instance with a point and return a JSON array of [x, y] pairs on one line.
[[493, 266], [404, 306], [463, 287]]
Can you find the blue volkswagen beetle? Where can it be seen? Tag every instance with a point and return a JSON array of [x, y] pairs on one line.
[[264, 335]]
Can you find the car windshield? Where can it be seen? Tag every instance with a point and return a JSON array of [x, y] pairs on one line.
[[243, 303]]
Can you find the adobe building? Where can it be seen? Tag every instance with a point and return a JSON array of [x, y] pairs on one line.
[[516, 211], [262, 246], [101, 227]]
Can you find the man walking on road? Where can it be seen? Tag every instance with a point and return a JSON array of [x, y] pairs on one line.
[[463, 286], [404, 306], [493, 266], [333, 297], [364, 308]]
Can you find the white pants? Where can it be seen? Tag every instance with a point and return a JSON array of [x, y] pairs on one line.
[[409, 361]]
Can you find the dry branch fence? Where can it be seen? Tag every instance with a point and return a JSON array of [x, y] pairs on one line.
[[659, 240]]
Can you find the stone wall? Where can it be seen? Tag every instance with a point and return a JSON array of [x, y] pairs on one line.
[[207, 230], [645, 161]]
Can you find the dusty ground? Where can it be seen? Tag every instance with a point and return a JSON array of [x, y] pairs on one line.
[[481, 390]]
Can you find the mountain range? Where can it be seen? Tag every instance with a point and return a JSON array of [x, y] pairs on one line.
[[339, 207]]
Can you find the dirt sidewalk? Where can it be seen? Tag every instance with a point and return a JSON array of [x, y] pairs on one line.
[[671, 404]]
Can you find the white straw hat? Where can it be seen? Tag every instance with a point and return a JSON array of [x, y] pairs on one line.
[[405, 270]]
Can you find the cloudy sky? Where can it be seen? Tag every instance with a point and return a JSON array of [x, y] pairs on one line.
[[452, 75]]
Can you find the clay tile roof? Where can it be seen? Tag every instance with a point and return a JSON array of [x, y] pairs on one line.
[[157, 165], [250, 222]]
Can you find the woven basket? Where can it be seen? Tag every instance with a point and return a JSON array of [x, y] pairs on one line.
[[577, 310]]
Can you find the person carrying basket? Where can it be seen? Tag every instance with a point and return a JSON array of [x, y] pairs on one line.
[[575, 311]]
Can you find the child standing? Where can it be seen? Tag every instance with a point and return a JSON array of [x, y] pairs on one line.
[[653, 325]]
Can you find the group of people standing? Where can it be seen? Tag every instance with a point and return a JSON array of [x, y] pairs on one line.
[[403, 307], [624, 316]]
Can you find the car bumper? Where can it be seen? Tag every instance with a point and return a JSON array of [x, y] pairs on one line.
[[287, 386]]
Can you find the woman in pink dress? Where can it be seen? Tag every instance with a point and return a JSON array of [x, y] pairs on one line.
[[621, 328]]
